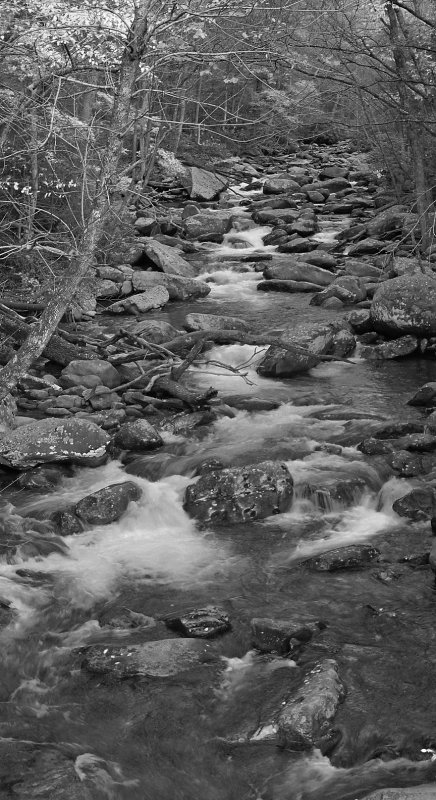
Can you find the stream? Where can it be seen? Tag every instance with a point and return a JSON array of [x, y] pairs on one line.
[[182, 738]]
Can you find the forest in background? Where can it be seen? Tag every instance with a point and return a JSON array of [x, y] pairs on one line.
[[97, 100]]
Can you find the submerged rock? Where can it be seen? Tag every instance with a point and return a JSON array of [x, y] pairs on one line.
[[405, 305], [276, 635], [73, 440], [353, 556], [306, 720], [108, 504], [159, 659], [240, 494], [201, 623]]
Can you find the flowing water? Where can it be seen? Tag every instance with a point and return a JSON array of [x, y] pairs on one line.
[[180, 738]]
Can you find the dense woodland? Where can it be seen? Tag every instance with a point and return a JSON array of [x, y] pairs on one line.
[[95, 100]]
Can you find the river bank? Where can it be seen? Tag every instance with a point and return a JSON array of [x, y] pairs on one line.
[[217, 716]]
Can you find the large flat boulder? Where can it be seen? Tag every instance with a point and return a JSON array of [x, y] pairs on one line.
[[214, 322], [73, 440], [203, 184], [240, 494], [178, 287], [405, 305], [167, 259], [155, 296], [158, 659], [294, 271], [211, 222]]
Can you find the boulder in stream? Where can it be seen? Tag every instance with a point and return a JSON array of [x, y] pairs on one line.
[[354, 556], [294, 271], [156, 296], [203, 184], [278, 184], [167, 259], [425, 396], [214, 322], [398, 348], [156, 659], [208, 223], [107, 505], [137, 435], [292, 287], [76, 441], [240, 494], [307, 717], [201, 623], [177, 287], [276, 635], [405, 305], [418, 504]]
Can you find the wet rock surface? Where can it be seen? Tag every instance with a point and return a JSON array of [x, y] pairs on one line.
[[108, 504], [351, 557], [229, 496], [158, 659], [75, 441]]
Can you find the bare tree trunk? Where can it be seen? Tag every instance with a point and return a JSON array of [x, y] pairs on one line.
[[84, 257], [413, 123]]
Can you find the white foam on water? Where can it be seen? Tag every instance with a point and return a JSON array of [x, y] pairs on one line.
[[243, 357], [225, 284], [356, 525], [154, 540]]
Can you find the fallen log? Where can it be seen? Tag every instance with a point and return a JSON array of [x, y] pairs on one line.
[[57, 349], [181, 345]]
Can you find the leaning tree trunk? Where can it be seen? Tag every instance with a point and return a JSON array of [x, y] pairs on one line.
[[81, 262]]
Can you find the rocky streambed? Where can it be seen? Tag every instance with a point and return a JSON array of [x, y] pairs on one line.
[[216, 554]]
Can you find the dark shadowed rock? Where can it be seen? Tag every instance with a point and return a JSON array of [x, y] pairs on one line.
[[405, 305], [159, 659], [306, 720], [418, 504], [137, 435], [366, 247], [275, 635], [354, 556], [201, 623], [108, 504], [297, 245], [73, 440], [240, 494], [156, 331], [66, 522], [425, 396]]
